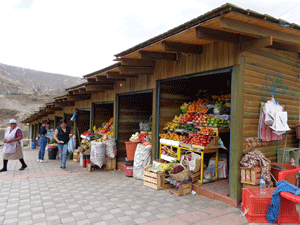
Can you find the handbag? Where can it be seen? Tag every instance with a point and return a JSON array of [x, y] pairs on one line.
[[192, 160]]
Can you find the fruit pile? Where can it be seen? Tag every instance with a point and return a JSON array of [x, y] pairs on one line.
[[170, 125], [141, 137], [168, 151], [206, 131], [221, 97], [202, 110], [185, 106], [110, 133], [187, 127], [199, 139], [172, 136], [177, 118], [215, 122], [188, 117], [87, 133], [200, 118], [193, 108]]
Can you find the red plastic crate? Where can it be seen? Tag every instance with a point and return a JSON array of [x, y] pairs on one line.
[[258, 207], [257, 204]]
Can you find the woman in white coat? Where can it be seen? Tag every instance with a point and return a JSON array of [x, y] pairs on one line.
[[12, 149]]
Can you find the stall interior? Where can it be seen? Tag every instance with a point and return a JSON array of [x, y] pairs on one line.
[[102, 112], [57, 121], [51, 125], [176, 109], [132, 109], [67, 117], [83, 120]]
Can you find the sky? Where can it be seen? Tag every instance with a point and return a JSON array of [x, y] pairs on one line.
[[78, 37]]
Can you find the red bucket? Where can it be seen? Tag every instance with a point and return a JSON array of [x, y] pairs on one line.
[[130, 149]]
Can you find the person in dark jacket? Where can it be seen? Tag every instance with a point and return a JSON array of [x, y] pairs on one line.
[[43, 140], [62, 135]]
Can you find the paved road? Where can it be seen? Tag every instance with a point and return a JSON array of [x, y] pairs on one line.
[[45, 194]]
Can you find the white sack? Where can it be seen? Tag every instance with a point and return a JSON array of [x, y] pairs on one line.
[[111, 148], [142, 158], [97, 155]]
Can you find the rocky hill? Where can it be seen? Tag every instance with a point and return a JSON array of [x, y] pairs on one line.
[[17, 79], [39, 87]]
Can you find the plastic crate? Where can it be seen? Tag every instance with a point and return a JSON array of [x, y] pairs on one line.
[[257, 204], [289, 153]]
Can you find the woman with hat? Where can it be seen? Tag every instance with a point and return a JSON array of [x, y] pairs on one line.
[[12, 149]]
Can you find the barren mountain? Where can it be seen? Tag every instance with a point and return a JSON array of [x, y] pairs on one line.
[[40, 87], [20, 79]]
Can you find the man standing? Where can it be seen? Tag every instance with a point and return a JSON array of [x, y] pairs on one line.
[[43, 140]]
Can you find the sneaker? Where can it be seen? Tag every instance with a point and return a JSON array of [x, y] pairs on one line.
[[43, 161], [38, 160], [64, 168]]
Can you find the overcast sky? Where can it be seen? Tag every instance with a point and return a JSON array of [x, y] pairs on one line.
[[75, 37]]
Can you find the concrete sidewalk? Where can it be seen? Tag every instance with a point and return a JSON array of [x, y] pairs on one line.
[[45, 194]]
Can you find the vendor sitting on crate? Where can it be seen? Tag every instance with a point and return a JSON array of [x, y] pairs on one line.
[[62, 135]]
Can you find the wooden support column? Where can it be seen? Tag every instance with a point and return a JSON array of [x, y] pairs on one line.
[[236, 141], [157, 55], [181, 47]]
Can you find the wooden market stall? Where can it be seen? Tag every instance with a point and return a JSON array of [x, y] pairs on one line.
[[132, 108], [255, 53], [102, 112]]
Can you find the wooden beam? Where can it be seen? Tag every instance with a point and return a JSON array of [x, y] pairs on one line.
[[285, 47], [137, 62], [91, 80], [217, 35], [78, 98], [82, 90], [129, 70], [105, 79], [181, 47], [250, 29], [255, 44], [118, 75], [157, 55], [75, 92], [96, 88]]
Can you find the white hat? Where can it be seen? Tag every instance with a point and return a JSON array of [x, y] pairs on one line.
[[13, 121]]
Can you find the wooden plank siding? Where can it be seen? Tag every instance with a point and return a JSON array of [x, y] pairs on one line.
[[267, 70]]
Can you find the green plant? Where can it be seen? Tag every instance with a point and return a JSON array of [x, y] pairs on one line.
[[25, 145], [53, 141]]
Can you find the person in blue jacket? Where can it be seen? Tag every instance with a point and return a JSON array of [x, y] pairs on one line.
[[43, 140], [62, 135]]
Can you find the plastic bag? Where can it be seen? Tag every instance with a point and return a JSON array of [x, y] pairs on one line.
[[71, 144], [192, 160], [97, 155], [111, 148], [142, 158], [222, 168]]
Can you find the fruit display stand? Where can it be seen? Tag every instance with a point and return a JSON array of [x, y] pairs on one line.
[[213, 148]]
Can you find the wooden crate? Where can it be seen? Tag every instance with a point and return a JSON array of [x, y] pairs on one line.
[[76, 157], [155, 180], [109, 164], [211, 145], [195, 176], [185, 145], [183, 189], [250, 175]]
